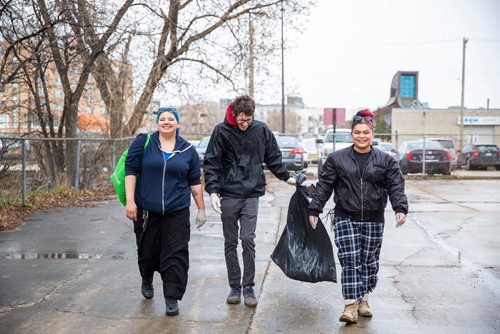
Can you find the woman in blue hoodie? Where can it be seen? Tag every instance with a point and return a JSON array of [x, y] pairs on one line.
[[158, 203]]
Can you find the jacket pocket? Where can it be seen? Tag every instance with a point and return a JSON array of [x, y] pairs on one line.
[[377, 174]]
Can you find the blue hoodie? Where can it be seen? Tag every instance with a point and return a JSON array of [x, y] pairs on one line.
[[163, 185]]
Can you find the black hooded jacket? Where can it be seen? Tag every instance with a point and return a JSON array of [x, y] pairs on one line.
[[233, 160], [360, 195]]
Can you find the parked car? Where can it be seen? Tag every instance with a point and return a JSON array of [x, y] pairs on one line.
[[448, 144], [411, 156], [387, 148], [202, 148], [342, 139], [310, 145], [292, 152], [195, 143], [479, 156]]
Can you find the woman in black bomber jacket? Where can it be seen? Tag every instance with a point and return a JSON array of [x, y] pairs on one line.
[[361, 178]]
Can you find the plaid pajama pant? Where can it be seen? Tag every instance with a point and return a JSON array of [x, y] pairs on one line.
[[358, 246]]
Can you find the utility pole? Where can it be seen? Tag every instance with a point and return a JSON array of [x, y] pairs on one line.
[[465, 40], [282, 74], [251, 90]]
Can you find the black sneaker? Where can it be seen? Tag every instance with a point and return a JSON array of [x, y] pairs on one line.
[[172, 306], [234, 296], [147, 288]]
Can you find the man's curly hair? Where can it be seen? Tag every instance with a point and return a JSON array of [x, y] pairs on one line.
[[243, 104]]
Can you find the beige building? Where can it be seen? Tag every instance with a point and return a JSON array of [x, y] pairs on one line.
[[481, 126], [18, 109]]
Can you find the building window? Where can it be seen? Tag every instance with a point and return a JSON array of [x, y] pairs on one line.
[[15, 116], [4, 121], [407, 86]]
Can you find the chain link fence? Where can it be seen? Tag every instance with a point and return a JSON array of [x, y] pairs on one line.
[[29, 165]]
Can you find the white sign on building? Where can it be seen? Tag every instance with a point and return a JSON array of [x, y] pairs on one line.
[[476, 120]]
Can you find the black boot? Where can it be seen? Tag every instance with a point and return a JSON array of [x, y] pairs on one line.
[[172, 306], [147, 288]]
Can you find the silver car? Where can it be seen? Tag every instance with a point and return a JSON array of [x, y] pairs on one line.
[[202, 148], [292, 152], [449, 145]]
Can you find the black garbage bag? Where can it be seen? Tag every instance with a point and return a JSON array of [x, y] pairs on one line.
[[303, 253]]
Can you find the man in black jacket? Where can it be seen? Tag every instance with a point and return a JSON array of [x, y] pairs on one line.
[[234, 178], [362, 178]]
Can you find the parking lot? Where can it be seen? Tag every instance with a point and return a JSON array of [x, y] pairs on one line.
[[74, 270]]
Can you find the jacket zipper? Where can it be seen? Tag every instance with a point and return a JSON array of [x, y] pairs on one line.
[[163, 187]]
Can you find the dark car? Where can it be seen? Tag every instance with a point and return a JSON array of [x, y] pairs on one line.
[[411, 156], [202, 148], [479, 156], [292, 152]]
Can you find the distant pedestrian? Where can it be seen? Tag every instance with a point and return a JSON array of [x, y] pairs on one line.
[[234, 177], [361, 178], [158, 202]]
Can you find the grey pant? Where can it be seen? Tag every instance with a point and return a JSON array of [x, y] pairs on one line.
[[245, 211]]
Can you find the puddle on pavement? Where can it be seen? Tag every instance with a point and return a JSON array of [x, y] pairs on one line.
[[56, 256]]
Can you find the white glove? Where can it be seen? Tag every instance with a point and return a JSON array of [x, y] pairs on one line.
[[292, 181], [215, 200], [201, 218], [400, 219]]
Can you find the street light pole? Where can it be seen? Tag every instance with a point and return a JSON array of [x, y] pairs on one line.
[[282, 74], [465, 40]]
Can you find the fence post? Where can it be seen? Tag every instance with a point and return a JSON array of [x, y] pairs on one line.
[[77, 171], [424, 152], [23, 148]]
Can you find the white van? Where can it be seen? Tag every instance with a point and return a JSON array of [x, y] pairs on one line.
[[341, 139]]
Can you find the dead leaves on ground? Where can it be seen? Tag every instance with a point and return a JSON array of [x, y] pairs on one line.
[[14, 214]]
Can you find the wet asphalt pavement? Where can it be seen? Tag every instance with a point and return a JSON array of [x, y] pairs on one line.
[[75, 271]]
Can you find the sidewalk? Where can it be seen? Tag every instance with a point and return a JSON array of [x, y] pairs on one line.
[[75, 271]]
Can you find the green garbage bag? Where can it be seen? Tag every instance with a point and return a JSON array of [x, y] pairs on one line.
[[118, 176]]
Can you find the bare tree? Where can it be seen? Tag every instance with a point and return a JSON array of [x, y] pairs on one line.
[[196, 35], [207, 39], [65, 62], [17, 29]]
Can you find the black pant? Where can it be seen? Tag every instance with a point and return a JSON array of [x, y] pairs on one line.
[[162, 245]]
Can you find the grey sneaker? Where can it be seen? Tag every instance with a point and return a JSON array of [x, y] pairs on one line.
[[172, 306], [249, 296], [147, 289], [234, 296]]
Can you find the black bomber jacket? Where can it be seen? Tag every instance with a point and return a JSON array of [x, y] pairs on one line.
[[234, 160], [360, 195]]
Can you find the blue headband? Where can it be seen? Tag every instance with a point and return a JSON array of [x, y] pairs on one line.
[[173, 111]]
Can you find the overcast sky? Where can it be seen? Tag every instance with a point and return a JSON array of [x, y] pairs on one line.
[[350, 51]]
